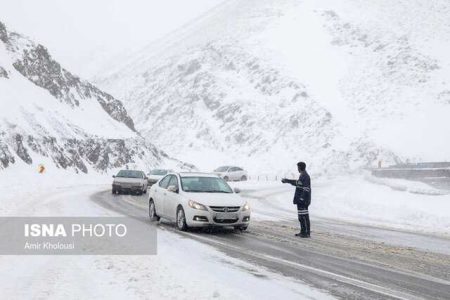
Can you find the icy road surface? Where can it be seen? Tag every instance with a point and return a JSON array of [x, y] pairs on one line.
[[345, 259], [183, 268]]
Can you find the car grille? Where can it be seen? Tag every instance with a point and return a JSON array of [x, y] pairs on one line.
[[226, 221], [225, 208], [128, 185]]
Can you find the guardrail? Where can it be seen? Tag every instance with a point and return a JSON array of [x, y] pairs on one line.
[[271, 177], [411, 173]]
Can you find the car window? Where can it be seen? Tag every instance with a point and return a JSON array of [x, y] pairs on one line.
[[239, 169], [194, 184], [233, 169], [221, 169], [129, 174], [173, 181], [158, 172], [164, 183]]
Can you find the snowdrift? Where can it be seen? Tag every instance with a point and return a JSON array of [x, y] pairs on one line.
[[264, 83]]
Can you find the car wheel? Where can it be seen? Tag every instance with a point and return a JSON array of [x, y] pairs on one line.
[[113, 191], [145, 190], [226, 178], [152, 212], [181, 220], [244, 178]]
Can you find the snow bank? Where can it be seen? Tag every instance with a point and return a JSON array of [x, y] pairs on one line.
[[361, 199], [182, 269], [263, 84]]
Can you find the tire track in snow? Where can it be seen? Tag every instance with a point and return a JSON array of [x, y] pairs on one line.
[[342, 277]]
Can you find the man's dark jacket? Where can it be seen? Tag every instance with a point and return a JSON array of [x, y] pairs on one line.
[[302, 195]]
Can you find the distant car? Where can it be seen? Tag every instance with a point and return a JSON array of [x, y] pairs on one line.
[[197, 200], [231, 173], [156, 175], [130, 181]]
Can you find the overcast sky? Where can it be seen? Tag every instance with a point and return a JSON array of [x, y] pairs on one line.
[[82, 33]]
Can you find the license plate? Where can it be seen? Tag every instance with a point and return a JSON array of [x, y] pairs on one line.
[[226, 216]]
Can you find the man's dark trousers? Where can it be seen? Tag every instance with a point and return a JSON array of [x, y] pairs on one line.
[[303, 217]]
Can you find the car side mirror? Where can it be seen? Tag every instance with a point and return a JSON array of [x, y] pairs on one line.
[[172, 189], [146, 178], [114, 176], [237, 190]]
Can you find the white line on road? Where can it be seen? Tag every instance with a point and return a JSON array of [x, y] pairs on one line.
[[338, 277], [341, 278]]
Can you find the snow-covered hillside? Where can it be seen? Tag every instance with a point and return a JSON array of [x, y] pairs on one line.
[[265, 83], [48, 115]]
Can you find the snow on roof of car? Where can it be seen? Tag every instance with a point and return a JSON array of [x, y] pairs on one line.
[[197, 174]]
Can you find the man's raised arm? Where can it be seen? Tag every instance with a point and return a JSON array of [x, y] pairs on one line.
[[290, 181]]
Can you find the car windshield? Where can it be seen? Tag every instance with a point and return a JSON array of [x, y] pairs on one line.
[[158, 172], [129, 174], [221, 169], [204, 185]]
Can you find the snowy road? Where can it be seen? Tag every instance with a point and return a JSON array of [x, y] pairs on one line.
[[348, 260]]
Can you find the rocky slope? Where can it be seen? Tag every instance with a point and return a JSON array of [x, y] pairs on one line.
[[49, 115], [266, 83]]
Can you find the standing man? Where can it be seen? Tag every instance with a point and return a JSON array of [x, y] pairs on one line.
[[302, 199]]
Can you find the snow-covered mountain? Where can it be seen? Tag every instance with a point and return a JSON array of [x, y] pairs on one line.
[[265, 83], [48, 115]]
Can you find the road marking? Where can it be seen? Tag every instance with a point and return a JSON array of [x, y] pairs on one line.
[[338, 277], [341, 278]]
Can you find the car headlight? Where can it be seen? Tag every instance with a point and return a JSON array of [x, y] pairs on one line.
[[246, 207], [196, 205]]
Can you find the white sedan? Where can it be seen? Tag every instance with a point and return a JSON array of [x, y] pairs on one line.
[[231, 173], [156, 174], [129, 181], [197, 200]]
